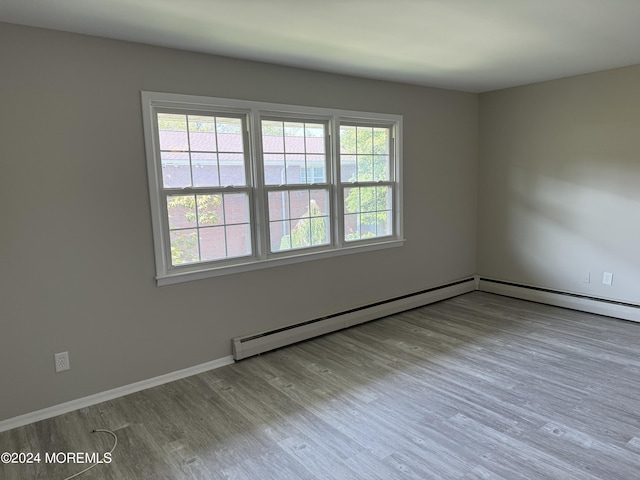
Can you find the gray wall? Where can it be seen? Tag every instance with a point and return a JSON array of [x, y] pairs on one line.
[[559, 183], [76, 256]]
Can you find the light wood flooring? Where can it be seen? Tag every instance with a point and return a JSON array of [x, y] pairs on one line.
[[475, 387]]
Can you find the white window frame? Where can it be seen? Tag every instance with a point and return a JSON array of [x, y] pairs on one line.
[[290, 187], [254, 112]]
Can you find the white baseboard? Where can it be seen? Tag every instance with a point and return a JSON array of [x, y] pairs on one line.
[[83, 402], [562, 299], [250, 345]]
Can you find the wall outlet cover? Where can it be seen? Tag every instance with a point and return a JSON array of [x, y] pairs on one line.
[[62, 361]]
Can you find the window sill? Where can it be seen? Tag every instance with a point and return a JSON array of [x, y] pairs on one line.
[[187, 276]]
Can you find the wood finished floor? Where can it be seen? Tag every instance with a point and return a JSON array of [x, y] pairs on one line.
[[475, 387]]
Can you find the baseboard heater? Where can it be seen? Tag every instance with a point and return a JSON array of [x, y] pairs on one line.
[[574, 301], [250, 345]]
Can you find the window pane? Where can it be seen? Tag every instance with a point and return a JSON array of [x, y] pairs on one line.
[[182, 211], [209, 210], [279, 234], [364, 168], [212, 244], [238, 240], [381, 141], [351, 200], [176, 169], [229, 135], [381, 168], [294, 136], [172, 130], [236, 208], [351, 227], [272, 137], [184, 246], [232, 171], [278, 205], [384, 226], [383, 198], [205, 169], [202, 134], [383, 212], [303, 145], [295, 163], [314, 171], [315, 138], [347, 139], [318, 219], [298, 203], [274, 173], [347, 168]]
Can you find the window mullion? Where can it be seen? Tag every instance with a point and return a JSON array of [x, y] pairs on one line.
[[260, 211], [337, 192], [395, 156]]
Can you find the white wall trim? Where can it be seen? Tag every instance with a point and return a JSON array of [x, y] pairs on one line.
[[250, 345], [573, 301], [83, 402]]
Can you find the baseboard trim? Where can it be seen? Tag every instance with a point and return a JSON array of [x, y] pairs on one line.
[[257, 343], [84, 402], [573, 301]]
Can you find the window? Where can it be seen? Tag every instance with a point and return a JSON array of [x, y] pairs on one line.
[[205, 191], [366, 182], [298, 205], [238, 185]]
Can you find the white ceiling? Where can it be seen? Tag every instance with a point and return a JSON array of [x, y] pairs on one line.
[[470, 45]]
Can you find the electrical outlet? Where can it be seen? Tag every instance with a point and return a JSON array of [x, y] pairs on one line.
[[607, 278], [586, 277], [62, 361]]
